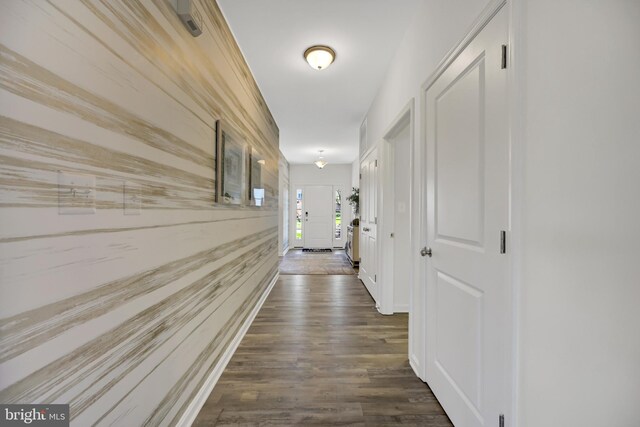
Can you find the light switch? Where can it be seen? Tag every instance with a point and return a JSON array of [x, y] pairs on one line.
[[76, 194], [132, 198]]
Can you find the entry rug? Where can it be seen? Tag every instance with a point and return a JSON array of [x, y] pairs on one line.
[[299, 262]]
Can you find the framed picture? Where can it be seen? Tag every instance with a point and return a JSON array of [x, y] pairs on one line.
[[257, 191], [232, 166]]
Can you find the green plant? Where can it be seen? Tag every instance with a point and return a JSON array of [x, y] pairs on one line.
[[354, 199]]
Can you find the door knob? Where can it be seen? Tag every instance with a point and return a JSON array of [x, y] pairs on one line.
[[426, 251], [365, 229]]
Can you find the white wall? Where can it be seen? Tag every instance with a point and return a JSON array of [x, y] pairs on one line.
[[580, 288], [436, 27], [355, 173], [336, 175]]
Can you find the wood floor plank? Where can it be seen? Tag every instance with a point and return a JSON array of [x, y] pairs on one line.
[[319, 353]]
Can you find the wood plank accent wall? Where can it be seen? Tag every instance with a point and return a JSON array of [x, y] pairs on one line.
[[124, 316]]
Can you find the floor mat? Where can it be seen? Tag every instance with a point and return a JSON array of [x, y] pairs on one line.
[[298, 262]]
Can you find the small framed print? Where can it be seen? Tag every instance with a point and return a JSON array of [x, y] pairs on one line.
[[232, 166]]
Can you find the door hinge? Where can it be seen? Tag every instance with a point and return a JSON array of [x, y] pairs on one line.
[[501, 420], [375, 220], [503, 62], [360, 176], [375, 277], [503, 242], [376, 164]]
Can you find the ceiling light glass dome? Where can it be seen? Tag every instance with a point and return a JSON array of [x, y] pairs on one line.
[[319, 57]]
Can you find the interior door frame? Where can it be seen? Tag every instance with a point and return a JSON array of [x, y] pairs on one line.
[[514, 122]]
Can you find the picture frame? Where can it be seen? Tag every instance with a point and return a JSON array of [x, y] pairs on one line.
[[232, 166]]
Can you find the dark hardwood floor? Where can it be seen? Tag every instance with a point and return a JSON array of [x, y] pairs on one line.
[[318, 353]]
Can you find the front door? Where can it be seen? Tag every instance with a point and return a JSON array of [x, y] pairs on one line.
[[318, 216], [467, 212]]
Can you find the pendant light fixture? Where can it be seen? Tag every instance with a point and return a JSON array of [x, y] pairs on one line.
[[319, 57], [320, 163]]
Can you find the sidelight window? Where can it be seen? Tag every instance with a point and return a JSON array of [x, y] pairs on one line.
[[338, 215], [299, 214]]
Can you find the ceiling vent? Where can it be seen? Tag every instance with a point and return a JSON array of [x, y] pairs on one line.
[[190, 17]]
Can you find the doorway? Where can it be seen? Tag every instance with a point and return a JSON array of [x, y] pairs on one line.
[[401, 205], [395, 235], [318, 217]]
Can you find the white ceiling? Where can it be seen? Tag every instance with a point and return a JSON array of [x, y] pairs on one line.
[[318, 109]]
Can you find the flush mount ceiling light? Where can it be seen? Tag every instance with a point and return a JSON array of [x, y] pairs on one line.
[[320, 163], [319, 57]]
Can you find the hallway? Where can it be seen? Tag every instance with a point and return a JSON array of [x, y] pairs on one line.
[[476, 160], [319, 353]]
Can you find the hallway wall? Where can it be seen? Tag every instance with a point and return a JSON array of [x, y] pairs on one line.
[[579, 270], [355, 173], [124, 316]]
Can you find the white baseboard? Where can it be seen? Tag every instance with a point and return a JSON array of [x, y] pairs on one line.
[[415, 366], [198, 402], [401, 308], [285, 251]]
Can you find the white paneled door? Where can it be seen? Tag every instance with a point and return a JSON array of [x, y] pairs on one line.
[[318, 216], [368, 223], [467, 137]]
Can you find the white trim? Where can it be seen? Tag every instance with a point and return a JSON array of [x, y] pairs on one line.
[[190, 414], [285, 251], [415, 365], [401, 308], [516, 120]]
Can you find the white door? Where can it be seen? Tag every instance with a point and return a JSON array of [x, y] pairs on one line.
[[467, 207], [368, 223], [318, 216]]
